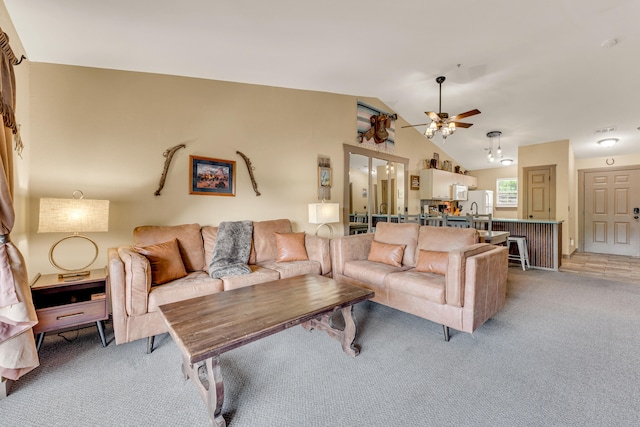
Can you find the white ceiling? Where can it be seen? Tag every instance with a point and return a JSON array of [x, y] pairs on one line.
[[537, 69]]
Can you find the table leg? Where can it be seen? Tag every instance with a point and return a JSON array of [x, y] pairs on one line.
[[349, 333], [100, 326], [40, 339], [208, 378], [346, 336]]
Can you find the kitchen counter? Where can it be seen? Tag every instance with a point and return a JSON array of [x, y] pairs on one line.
[[544, 239]]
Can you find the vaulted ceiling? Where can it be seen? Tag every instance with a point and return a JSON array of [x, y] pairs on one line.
[[539, 71]]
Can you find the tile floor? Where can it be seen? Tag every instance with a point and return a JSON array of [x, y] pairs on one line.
[[613, 267]]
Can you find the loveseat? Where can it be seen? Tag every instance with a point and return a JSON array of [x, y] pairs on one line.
[[439, 273], [170, 263]]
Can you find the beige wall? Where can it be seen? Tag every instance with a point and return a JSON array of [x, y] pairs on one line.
[[556, 153], [487, 181], [104, 132]]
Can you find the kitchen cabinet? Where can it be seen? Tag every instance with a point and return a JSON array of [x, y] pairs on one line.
[[435, 184]]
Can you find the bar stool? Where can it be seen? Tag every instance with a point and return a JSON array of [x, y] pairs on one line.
[[523, 253]]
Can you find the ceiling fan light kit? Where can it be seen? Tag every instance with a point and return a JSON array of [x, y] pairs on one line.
[[442, 122]]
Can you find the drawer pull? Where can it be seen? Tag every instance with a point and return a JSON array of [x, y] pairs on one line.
[[66, 316]]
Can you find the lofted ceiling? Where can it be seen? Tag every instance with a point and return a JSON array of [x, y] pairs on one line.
[[539, 71]]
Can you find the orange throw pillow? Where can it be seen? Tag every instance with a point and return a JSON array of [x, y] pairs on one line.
[[386, 253], [432, 262], [166, 262], [290, 247]]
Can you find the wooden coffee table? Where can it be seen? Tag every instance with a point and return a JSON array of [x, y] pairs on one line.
[[205, 327]]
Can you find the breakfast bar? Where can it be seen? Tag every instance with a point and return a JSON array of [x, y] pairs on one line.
[[544, 239]]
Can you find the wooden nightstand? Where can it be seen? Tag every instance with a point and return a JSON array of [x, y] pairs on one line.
[[65, 303]]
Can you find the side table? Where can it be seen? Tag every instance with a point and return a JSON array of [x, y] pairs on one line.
[[62, 303]]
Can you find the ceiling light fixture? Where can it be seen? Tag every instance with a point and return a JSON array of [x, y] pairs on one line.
[[609, 142], [506, 162], [442, 121], [497, 154]]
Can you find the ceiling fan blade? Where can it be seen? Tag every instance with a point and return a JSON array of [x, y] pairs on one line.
[[466, 114], [463, 125], [411, 126], [433, 116]]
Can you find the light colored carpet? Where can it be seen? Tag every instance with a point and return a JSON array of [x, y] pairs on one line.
[[563, 351]]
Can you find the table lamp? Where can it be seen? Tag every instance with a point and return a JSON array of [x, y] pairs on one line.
[[323, 214], [76, 215]]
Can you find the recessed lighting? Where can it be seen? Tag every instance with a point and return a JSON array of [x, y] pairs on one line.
[[506, 162], [609, 142]]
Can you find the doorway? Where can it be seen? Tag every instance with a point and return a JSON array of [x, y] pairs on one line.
[[540, 193], [611, 210]]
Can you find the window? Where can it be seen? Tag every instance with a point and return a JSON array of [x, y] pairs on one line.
[[507, 192]]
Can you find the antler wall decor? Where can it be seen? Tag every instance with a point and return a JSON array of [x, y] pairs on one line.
[[168, 154], [250, 168]]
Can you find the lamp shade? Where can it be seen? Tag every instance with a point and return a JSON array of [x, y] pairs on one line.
[[324, 213], [73, 215]]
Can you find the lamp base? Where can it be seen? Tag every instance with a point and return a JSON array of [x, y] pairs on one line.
[[70, 271], [76, 275], [329, 227]]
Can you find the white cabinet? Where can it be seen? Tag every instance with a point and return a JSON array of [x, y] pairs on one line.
[[435, 184], [471, 181]]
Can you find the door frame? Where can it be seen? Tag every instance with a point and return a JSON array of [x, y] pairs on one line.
[[552, 189], [581, 213], [347, 150]]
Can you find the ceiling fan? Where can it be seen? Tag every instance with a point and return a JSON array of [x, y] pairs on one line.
[[441, 121]]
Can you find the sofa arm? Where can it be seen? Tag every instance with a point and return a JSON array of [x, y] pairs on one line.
[[318, 250], [457, 271], [349, 248], [136, 282]]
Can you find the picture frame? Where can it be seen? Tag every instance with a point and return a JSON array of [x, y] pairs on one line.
[[212, 177], [324, 176], [414, 182]]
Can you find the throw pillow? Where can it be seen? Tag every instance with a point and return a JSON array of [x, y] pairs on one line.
[[165, 260], [290, 247], [386, 253], [432, 262]]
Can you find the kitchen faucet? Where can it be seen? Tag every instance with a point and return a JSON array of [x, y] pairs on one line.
[[474, 203]]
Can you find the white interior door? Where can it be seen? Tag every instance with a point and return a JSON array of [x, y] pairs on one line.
[[610, 224]]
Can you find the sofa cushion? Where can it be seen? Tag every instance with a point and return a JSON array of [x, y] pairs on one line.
[[425, 286], [209, 235], [432, 262], [386, 253], [166, 262], [446, 239], [369, 272], [258, 274], [400, 234], [264, 239], [189, 241], [194, 285], [290, 247], [293, 268]]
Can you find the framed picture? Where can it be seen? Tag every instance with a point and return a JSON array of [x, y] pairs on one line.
[[324, 176], [415, 182], [213, 177]]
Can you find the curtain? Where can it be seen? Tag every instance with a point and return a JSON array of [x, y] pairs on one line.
[[18, 354]]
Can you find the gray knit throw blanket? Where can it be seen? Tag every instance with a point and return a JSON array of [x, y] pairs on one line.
[[232, 249]]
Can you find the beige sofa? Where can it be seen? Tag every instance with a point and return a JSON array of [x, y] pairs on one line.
[[135, 297], [462, 283]]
